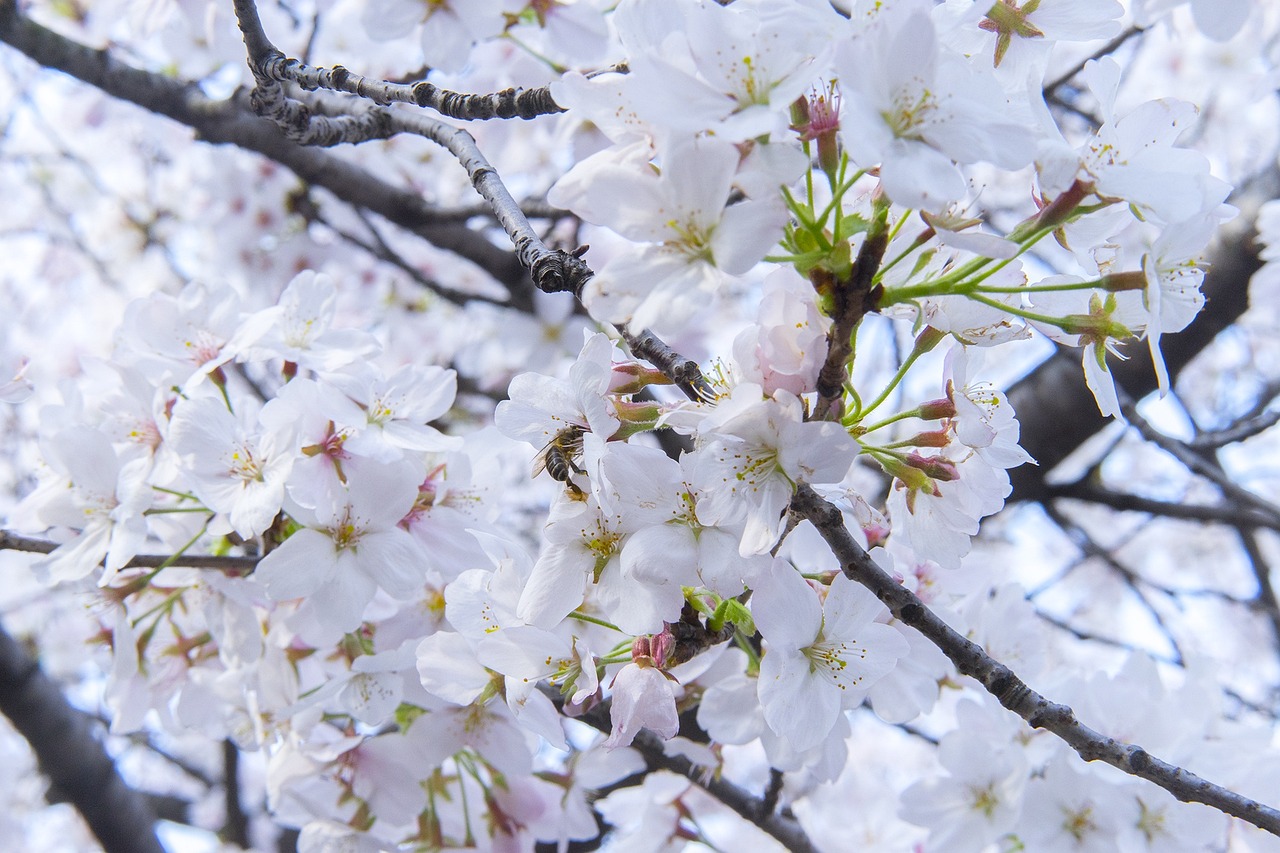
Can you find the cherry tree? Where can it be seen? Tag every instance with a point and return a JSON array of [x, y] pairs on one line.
[[655, 425]]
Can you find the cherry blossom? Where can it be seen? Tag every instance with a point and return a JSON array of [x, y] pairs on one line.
[[821, 658], [96, 493], [349, 549], [233, 470], [293, 415], [692, 234], [757, 449], [917, 108]]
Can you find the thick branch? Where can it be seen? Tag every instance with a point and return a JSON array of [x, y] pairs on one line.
[[231, 122], [268, 61], [70, 754], [970, 659]]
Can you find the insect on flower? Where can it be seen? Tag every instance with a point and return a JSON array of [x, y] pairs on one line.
[[559, 457]]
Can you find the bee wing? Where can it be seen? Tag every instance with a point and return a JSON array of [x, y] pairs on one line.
[[540, 461]]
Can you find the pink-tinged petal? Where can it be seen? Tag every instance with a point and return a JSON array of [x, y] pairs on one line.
[[747, 231], [556, 587], [786, 608], [799, 706], [642, 698], [448, 668], [339, 604], [394, 560], [299, 567], [383, 494]]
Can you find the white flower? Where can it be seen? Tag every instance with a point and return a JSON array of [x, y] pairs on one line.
[[913, 107], [1172, 294], [303, 332], [754, 452], [682, 214], [96, 493], [976, 803], [235, 470], [193, 334], [1132, 157], [1068, 809], [820, 658], [984, 420], [787, 345], [643, 698], [398, 410], [540, 407], [350, 547]]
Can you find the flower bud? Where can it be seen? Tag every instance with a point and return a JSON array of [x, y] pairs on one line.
[[936, 410]]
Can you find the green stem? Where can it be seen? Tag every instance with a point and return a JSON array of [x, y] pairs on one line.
[[888, 389], [1041, 288], [582, 617], [1017, 312], [892, 419]]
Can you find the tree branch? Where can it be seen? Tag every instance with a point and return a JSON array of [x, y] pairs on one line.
[[970, 659], [72, 756], [784, 828], [232, 565], [266, 59], [1224, 513], [232, 122]]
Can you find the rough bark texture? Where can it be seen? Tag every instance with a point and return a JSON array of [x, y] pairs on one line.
[[72, 756]]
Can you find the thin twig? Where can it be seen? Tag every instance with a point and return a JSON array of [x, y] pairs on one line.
[[784, 828], [14, 542], [1110, 47], [1224, 513], [1197, 463], [1131, 579], [222, 122]]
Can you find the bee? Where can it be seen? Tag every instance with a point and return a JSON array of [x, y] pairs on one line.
[[559, 457]]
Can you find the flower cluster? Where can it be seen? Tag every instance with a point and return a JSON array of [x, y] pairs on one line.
[[414, 627]]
